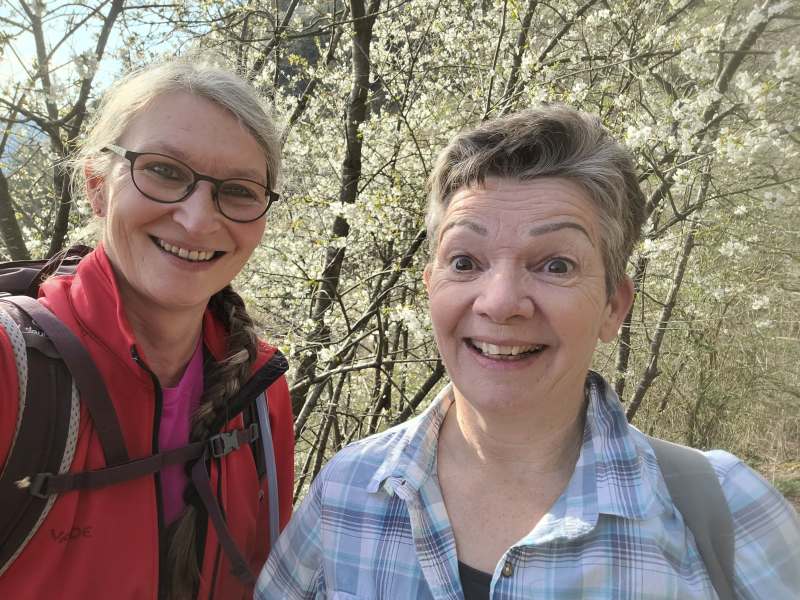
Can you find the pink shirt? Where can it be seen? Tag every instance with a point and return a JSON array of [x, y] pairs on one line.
[[178, 404]]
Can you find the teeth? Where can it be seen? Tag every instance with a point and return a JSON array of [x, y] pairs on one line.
[[495, 350], [192, 255]]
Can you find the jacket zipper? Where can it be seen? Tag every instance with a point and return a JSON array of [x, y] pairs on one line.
[[157, 475]]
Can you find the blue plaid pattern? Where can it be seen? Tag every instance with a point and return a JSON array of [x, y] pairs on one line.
[[374, 526]]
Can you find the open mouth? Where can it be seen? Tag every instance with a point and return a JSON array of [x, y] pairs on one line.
[[186, 254], [499, 352]]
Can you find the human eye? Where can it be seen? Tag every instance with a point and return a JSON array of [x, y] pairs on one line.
[[161, 168], [239, 191], [462, 264], [558, 266], [164, 170]]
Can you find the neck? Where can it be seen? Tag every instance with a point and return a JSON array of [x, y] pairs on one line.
[[167, 339], [548, 444]]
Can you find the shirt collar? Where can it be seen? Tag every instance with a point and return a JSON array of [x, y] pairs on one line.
[[628, 482], [412, 457], [616, 473]]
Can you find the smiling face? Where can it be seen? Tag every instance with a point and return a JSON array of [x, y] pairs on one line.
[[518, 297], [176, 256]]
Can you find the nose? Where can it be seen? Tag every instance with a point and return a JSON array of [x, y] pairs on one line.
[[504, 297], [198, 214]]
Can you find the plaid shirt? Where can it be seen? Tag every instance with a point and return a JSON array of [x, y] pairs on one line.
[[374, 526]]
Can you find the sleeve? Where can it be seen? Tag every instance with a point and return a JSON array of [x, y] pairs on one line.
[[9, 396], [767, 533], [294, 568]]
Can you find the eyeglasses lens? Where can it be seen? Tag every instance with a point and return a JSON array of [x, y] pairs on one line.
[[162, 178], [242, 200], [166, 179]]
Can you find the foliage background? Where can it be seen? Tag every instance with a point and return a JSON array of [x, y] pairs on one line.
[[368, 91]]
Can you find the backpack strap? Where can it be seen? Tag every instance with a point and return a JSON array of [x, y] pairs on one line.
[[253, 391], [202, 483], [45, 436], [47, 484], [697, 494], [84, 372], [268, 450], [66, 352]]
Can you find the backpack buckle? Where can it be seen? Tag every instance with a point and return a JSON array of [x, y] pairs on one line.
[[228, 441], [252, 432], [223, 443], [36, 485]]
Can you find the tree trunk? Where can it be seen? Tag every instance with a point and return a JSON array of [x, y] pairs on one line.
[[625, 334], [61, 226], [9, 227], [651, 372], [325, 295], [712, 119]]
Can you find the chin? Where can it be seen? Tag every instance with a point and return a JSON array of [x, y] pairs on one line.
[[487, 396], [183, 302]]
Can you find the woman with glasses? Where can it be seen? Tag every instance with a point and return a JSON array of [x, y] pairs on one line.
[[180, 165]]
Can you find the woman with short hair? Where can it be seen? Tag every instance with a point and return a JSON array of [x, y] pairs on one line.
[[180, 165], [523, 478]]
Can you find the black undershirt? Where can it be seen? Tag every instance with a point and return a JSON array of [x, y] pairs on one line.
[[476, 584]]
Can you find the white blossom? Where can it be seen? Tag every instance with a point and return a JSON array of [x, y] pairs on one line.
[[732, 248], [760, 302]]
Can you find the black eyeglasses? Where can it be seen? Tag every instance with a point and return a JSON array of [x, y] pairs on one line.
[[167, 180]]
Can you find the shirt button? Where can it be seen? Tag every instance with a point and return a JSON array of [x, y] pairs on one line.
[[508, 569]]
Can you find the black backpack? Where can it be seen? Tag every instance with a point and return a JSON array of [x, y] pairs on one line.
[[56, 373]]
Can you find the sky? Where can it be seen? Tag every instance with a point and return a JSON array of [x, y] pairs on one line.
[[18, 55]]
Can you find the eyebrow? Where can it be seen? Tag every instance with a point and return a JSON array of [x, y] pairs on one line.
[[479, 229], [236, 173], [533, 231], [550, 227]]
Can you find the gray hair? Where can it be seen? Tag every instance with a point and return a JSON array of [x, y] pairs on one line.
[[201, 75], [548, 141]]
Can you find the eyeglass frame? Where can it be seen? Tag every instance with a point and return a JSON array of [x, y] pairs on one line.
[[131, 156]]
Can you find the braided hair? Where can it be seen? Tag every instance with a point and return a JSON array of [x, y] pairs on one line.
[[222, 380]]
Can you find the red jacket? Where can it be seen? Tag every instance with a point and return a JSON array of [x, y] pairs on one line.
[[104, 543]]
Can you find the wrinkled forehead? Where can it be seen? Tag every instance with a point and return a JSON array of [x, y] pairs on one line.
[[533, 204], [198, 131]]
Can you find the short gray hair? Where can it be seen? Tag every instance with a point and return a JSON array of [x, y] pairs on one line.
[[203, 75], [548, 141]]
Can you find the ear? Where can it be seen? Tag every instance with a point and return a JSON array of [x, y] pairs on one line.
[[617, 309], [426, 277], [96, 191]]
